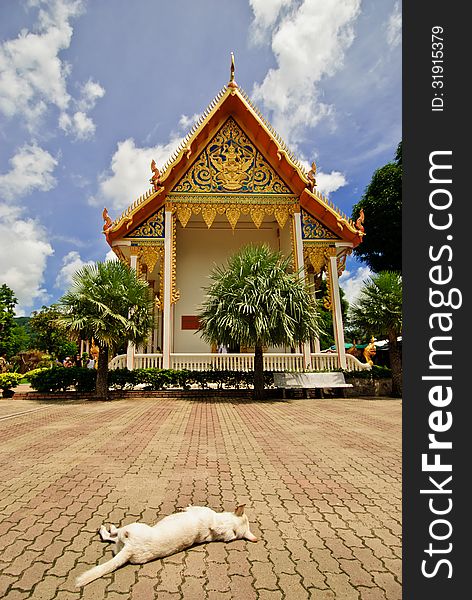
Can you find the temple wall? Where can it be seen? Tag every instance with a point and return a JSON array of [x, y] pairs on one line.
[[285, 241], [198, 250]]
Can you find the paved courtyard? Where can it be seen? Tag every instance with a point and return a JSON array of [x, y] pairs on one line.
[[321, 480]]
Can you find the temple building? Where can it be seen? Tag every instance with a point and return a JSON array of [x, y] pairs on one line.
[[232, 182]]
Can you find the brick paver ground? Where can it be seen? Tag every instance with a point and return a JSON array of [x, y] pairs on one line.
[[321, 480]]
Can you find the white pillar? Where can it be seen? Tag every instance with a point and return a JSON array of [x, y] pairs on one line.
[[337, 314], [316, 339], [130, 351], [299, 263], [166, 313], [151, 343]]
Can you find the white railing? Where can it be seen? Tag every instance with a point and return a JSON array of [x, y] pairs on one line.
[[320, 361], [354, 364], [283, 362], [235, 362], [118, 362], [148, 361]]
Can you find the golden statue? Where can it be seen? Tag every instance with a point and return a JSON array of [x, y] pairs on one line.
[[360, 221], [156, 177], [370, 351], [107, 221], [312, 176], [232, 167], [94, 352]]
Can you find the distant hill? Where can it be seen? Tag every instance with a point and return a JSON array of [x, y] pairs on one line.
[[23, 321]]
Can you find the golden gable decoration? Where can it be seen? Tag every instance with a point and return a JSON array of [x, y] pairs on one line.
[[151, 228], [233, 211], [312, 229], [231, 164]]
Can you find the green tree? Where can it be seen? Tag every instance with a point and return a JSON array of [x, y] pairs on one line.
[[48, 335], [378, 312], [382, 206], [111, 304], [255, 301], [7, 320]]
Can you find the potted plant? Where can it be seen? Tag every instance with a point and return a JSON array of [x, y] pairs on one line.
[[9, 381]]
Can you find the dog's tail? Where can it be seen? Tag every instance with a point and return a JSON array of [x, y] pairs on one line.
[[120, 559]]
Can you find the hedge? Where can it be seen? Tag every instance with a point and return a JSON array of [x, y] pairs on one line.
[[61, 379], [83, 379], [377, 372]]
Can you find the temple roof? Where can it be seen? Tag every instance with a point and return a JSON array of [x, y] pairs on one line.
[[233, 102]]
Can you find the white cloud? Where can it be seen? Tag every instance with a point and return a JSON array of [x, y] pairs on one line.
[[32, 168], [79, 125], [24, 250], [394, 26], [266, 13], [71, 263], [352, 283], [309, 44], [110, 255], [130, 172], [33, 77], [330, 182], [186, 122], [91, 92], [326, 183]]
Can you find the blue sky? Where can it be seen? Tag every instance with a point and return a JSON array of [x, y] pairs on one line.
[[92, 90]]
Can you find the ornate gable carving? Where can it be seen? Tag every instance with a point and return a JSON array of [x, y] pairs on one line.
[[313, 230], [230, 164], [151, 228]]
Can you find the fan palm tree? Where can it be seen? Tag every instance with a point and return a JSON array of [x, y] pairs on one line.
[[111, 304], [256, 301], [378, 311]]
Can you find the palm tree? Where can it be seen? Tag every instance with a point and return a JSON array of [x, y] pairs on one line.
[[378, 311], [109, 303], [256, 301]]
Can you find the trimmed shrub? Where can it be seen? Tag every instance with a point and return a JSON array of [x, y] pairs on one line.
[[34, 371], [9, 380], [156, 379], [377, 372], [122, 379], [61, 379], [84, 379]]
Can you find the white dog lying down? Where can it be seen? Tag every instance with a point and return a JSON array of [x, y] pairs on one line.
[[139, 543]]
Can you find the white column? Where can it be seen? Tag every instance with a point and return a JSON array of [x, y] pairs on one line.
[[166, 313], [297, 220], [130, 351], [316, 339], [151, 343], [337, 314]]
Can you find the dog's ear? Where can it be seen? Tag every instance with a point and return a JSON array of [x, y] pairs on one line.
[[239, 510]]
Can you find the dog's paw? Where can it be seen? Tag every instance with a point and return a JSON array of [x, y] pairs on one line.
[[103, 532]]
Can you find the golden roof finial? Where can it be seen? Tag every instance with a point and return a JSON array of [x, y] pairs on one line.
[[312, 176], [232, 83], [156, 177]]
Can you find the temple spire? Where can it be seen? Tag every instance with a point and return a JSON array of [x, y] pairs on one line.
[[232, 83]]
